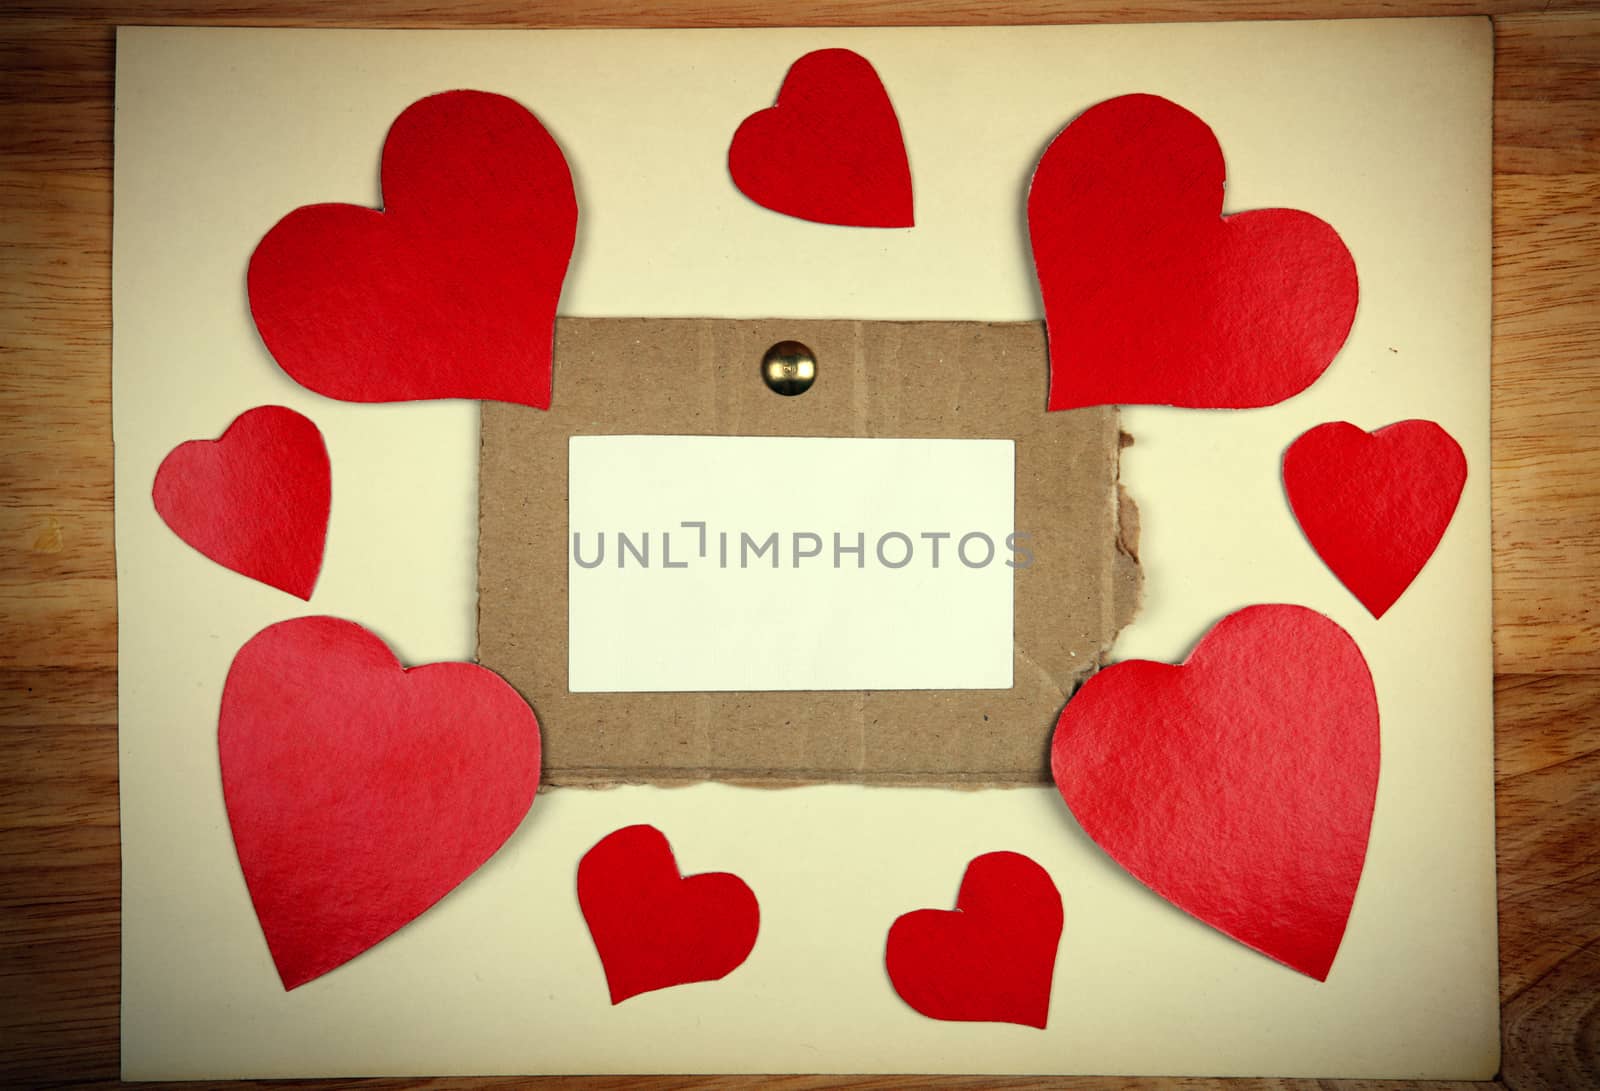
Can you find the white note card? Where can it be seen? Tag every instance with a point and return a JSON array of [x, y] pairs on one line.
[[701, 563]]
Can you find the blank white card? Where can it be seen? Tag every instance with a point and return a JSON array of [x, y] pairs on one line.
[[703, 563]]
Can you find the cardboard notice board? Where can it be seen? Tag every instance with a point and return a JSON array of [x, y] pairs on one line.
[[701, 376]]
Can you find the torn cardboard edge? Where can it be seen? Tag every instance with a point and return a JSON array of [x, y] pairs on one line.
[[700, 376]]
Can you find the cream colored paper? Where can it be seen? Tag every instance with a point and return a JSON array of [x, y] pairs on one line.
[[1380, 128], [696, 563]]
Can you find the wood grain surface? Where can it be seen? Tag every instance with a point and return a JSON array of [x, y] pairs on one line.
[[59, 868]]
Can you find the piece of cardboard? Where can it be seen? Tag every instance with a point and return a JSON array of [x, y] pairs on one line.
[[911, 379]]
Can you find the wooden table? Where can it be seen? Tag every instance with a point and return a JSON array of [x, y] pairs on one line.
[[59, 866]]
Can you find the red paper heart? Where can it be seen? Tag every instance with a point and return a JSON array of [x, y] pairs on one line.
[[256, 500], [992, 958], [1238, 786], [830, 150], [1375, 506], [654, 929], [451, 290], [1150, 295], [360, 793]]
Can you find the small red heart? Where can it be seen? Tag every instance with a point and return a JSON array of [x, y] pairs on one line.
[[256, 500], [1238, 786], [450, 291], [654, 929], [1151, 295], [359, 792], [1374, 506], [830, 150], [992, 958]]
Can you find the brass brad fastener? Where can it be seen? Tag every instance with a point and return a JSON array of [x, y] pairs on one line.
[[789, 368]]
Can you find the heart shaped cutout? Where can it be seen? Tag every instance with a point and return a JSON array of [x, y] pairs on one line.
[[830, 150], [654, 928], [1151, 295], [1238, 786], [359, 792], [451, 290], [254, 500], [1375, 505], [991, 959]]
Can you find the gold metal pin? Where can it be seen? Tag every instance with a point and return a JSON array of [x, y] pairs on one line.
[[789, 368]]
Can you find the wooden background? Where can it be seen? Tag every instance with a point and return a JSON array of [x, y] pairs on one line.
[[59, 867]]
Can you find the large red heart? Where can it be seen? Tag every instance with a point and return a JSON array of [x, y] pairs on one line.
[[256, 500], [1375, 506], [451, 290], [1240, 785], [359, 792], [654, 929], [993, 957], [1151, 295], [830, 150]]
